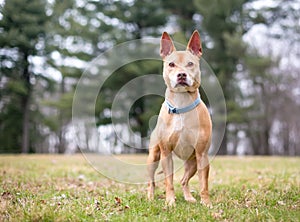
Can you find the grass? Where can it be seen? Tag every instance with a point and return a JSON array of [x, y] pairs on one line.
[[67, 188]]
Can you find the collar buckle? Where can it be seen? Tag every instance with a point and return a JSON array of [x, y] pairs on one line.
[[172, 110]]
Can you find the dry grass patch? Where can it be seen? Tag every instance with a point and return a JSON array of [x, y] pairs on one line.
[[67, 188]]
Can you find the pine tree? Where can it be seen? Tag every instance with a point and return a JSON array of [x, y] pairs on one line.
[[22, 30], [139, 19], [222, 21]]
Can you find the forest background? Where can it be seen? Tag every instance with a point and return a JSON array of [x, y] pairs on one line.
[[253, 47]]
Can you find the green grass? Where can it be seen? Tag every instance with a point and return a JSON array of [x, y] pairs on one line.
[[67, 188]]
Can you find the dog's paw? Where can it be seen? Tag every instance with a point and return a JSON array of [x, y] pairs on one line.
[[190, 199], [150, 192], [150, 196], [207, 203], [170, 202]]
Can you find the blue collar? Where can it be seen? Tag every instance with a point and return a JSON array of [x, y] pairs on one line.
[[174, 110]]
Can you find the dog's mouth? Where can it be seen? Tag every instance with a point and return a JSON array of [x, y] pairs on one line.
[[182, 83]]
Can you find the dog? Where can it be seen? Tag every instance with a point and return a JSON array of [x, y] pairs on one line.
[[184, 125]]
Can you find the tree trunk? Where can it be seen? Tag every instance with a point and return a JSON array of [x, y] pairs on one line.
[[223, 146], [61, 133], [266, 121], [265, 142], [26, 106], [235, 142], [286, 138], [62, 142], [25, 125]]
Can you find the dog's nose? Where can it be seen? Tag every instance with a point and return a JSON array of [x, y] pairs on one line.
[[181, 75]]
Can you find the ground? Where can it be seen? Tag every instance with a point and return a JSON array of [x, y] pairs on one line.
[[68, 188]]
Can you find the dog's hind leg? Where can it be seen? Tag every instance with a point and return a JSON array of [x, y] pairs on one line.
[[190, 168], [152, 164]]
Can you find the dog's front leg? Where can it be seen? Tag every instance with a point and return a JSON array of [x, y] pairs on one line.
[[203, 173], [152, 164], [167, 165]]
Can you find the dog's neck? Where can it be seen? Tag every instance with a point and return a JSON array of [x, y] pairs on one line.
[[181, 99]]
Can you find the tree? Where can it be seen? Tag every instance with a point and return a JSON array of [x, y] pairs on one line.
[[222, 21], [260, 117], [139, 19], [273, 76], [77, 34], [22, 29]]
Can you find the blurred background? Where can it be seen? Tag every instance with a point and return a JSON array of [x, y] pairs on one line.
[[253, 46]]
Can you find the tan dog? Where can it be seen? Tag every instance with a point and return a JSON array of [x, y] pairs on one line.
[[184, 125]]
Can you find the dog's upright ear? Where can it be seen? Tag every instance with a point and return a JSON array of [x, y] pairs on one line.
[[194, 45], [166, 45]]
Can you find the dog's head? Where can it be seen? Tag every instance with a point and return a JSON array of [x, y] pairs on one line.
[[181, 68]]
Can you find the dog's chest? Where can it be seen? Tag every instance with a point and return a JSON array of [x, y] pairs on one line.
[[177, 123], [182, 136]]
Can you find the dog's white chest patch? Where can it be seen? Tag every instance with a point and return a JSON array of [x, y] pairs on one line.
[[186, 140], [178, 122]]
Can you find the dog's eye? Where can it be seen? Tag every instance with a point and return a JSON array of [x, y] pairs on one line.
[[172, 64], [190, 64]]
